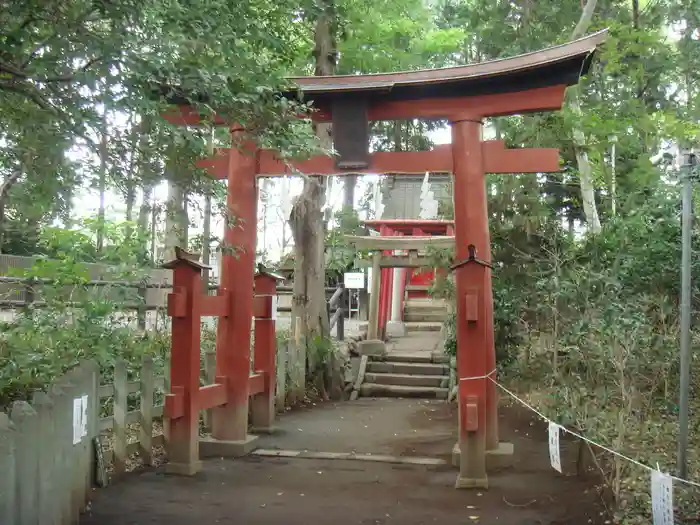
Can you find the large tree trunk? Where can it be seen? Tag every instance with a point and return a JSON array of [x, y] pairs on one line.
[[175, 223], [585, 170], [310, 324], [102, 183]]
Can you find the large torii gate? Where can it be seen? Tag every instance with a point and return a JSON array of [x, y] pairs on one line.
[[465, 96]]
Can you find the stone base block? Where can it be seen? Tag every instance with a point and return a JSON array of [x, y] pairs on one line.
[[471, 483], [372, 347], [183, 469], [264, 430], [395, 329], [499, 457], [210, 447]]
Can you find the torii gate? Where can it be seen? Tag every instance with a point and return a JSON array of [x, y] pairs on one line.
[[465, 96]]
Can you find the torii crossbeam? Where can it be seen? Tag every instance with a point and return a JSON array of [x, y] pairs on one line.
[[464, 96]]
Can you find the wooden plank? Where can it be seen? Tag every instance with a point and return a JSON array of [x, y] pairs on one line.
[[262, 307], [133, 387], [398, 261], [256, 384], [498, 159], [214, 306], [211, 396], [120, 410], [210, 372], [399, 242], [146, 412], [132, 417]]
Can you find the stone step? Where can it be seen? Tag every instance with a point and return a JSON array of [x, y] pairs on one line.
[[414, 357], [427, 392], [420, 316], [408, 380], [423, 326], [423, 369]]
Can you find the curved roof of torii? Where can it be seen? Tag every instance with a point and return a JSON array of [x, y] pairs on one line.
[[557, 65]]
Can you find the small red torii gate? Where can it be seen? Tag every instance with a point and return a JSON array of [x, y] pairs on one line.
[[464, 96]]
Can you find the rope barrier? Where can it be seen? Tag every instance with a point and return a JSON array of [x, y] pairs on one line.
[[576, 434]]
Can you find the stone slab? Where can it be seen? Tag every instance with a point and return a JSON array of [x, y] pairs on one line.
[[210, 447], [395, 329], [183, 469], [371, 347]]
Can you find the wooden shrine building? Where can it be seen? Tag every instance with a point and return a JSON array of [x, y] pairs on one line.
[[465, 96]]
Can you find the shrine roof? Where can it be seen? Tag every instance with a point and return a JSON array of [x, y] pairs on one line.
[[557, 65]]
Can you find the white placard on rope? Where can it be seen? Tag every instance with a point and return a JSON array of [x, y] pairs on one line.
[[661, 498], [554, 451], [354, 280]]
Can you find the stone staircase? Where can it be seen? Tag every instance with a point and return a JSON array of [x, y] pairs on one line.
[[417, 376], [424, 315]]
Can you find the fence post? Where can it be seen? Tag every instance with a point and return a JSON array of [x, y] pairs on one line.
[[29, 294], [340, 328], [47, 498], [63, 439], [141, 309], [28, 445], [7, 467], [146, 412], [210, 372], [119, 416], [281, 375]]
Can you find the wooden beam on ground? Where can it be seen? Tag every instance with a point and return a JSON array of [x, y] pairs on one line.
[[400, 242]]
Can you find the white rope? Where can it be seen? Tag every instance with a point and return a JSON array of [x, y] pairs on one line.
[[474, 378], [611, 451]]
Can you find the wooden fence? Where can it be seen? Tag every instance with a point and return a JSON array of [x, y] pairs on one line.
[[56, 448]]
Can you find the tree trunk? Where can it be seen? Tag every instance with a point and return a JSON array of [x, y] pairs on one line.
[[310, 323], [585, 170], [102, 184], [174, 223]]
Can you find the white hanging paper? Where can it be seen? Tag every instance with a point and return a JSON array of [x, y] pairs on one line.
[[274, 307], [84, 420], [554, 454], [661, 498], [77, 420]]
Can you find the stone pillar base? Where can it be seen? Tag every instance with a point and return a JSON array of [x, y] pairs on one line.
[[471, 483], [263, 430], [183, 469], [395, 329], [210, 447], [373, 347], [499, 457]]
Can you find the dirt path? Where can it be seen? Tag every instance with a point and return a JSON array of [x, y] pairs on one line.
[[268, 491]]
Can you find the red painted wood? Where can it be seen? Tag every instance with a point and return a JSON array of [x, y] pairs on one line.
[[470, 414], [471, 306], [215, 305], [478, 107], [230, 422], [262, 307], [475, 352], [497, 159], [256, 383], [211, 396], [182, 405]]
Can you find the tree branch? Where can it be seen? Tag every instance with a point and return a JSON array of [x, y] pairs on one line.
[[585, 20], [7, 184]]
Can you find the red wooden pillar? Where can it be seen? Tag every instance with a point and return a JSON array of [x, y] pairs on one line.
[[474, 302], [230, 422], [265, 354], [181, 404], [385, 288]]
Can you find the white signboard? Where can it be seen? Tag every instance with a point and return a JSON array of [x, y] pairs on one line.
[[80, 418], [354, 280], [661, 498], [554, 455]]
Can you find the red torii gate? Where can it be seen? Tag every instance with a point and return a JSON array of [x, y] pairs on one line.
[[465, 96]]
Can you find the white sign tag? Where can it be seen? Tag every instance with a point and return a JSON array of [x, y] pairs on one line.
[[274, 307], [354, 280], [554, 454], [84, 421], [661, 498], [80, 418], [77, 420]]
